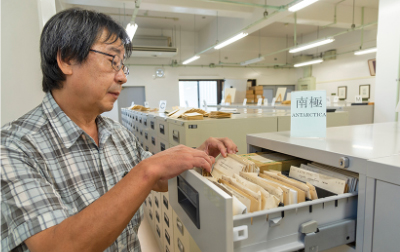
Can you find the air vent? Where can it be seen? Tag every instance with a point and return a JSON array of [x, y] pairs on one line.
[[162, 52]]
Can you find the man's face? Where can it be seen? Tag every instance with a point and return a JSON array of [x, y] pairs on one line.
[[95, 83]]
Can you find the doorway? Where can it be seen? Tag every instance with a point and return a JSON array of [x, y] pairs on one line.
[[128, 95]]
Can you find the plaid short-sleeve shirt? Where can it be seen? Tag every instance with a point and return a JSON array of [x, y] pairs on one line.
[[51, 169]]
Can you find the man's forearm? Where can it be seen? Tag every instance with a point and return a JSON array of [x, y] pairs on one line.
[[97, 226]]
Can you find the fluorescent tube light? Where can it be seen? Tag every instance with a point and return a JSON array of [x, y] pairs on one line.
[[311, 45], [131, 29], [255, 60], [301, 5], [306, 63], [365, 51], [191, 59], [231, 40]]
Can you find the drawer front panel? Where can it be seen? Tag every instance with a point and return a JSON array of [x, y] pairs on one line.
[[218, 225]]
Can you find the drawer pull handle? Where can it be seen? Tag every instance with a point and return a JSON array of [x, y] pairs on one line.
[[166, 219], [179, 225], [162, 129], [240, 233], [165, 200], [188, 199], [156, 202], [175, 135], [158, 231], [167, 237], [180, 246]]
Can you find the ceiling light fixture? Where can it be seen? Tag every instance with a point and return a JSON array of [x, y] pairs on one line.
[[131, 29], [311, 62], [251, 61], [311, 45], [231, 40], [191, 59], [365, 51], [301, 5]]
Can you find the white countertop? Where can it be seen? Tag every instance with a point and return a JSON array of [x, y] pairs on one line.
[[368, 141]]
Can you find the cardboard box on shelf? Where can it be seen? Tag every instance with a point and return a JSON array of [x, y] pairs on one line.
[[259, 92], [273, 161], [249, 92], [250, 97], [256, 88]]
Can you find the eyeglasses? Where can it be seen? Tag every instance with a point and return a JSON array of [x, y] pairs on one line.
[[116, 62]]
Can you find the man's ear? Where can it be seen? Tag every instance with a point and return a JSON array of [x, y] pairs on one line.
[[65, 66]]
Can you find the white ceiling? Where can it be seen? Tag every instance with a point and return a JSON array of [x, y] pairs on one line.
[[194, 15]]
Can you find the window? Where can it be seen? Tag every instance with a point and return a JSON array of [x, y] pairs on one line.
[[193, 93]]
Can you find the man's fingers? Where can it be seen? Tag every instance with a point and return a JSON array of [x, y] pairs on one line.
[[202, 163], [229, 144], [222, 148]]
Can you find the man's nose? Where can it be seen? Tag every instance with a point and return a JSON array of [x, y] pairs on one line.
[[120, 77]]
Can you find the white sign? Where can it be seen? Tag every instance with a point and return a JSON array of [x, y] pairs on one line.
[[259, 102], [244, 102], [328, 101], [308, 114], [358, 99], [335, 98], [205, 104], [273, 102], [265, 102], [146, 104], [280, 94], [162, 106]]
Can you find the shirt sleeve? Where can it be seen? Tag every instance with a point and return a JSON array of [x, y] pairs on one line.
[[142, 153], [29, 203]]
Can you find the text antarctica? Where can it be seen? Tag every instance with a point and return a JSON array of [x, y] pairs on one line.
[[309, 115]]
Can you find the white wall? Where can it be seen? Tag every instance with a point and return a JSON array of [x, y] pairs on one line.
[[388, 61], [347, 69], [21, 86]]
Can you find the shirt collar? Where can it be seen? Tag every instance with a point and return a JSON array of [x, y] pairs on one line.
[[65, 128]]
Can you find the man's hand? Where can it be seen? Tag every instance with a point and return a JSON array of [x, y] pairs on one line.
[[214, 146], [173, 161]]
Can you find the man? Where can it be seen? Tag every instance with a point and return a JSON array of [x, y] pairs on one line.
[[71, 179]]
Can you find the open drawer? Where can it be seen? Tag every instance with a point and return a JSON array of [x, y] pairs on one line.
[[206, 212]]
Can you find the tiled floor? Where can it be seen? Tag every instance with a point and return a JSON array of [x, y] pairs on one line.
[[147, 238]]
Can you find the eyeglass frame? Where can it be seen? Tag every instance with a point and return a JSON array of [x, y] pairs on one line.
[[123, 67]]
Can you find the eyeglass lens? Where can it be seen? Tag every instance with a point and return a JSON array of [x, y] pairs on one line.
[[117, 65]]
